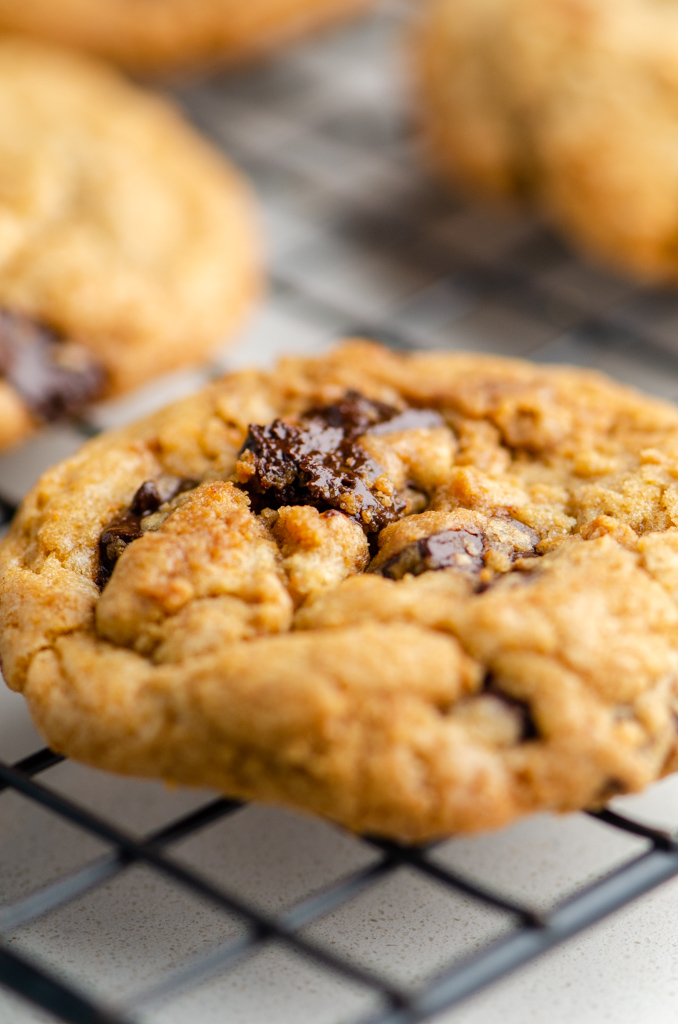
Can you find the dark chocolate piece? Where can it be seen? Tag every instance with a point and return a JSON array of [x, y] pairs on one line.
[[56, 379], [463, 550], [320, 462], [146, 500], [354, 414], [452, 549], [126, 527]]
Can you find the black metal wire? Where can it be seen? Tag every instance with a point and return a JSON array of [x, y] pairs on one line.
[[264, 926], [22, 912], [51, 994], [533, 934]]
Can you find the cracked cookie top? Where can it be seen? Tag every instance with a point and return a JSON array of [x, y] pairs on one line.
[[417, 594]]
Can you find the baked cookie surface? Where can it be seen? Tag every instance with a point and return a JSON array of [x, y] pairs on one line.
[[163, 35], [569, 103], [127, 245], [420, 595]]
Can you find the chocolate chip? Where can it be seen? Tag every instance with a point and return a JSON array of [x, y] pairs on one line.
[[112, 542], [320, 462], [146, 500], [464, 550], [354, 414], [452, 549], [126, 527], [55, 379], [529, 729]]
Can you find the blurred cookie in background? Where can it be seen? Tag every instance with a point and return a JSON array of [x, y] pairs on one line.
[[163, 35], [128, 246], [572, 104]]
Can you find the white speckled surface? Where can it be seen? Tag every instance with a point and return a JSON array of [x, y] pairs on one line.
[[358, 239]]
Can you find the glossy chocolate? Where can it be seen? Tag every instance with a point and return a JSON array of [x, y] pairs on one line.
[[126, 527], [320, 462], [56, 379], [452, 549]]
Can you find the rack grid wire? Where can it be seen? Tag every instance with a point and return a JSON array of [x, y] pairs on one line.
[[360, 243], [535, 932]]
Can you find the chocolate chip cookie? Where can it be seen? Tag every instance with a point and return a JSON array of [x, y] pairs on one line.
[[570, 104], [127, 245], [417, 594], [163, 35]]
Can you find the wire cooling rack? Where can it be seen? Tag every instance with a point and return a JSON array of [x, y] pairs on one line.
[[360, 242], [532, 934]]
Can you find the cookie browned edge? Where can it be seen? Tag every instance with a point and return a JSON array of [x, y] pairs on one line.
[[225, 725]]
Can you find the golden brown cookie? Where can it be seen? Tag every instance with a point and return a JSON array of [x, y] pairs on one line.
[[164, 35], [420, 595], [572, 104], [127, 245]]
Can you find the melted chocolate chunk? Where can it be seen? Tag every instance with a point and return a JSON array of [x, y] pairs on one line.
[[126, 527], [146, 500], [452, 549], [55, 379], [463, 550], [320, 462], [353, 414]]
